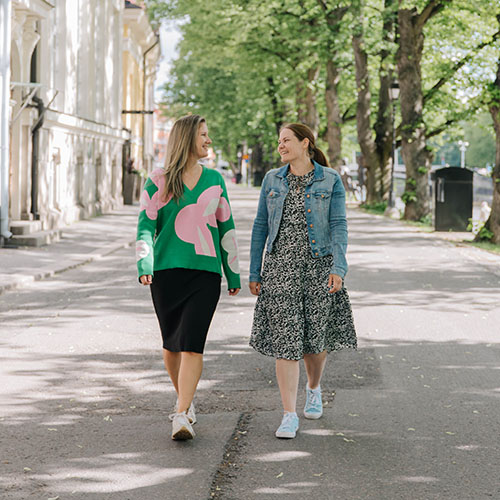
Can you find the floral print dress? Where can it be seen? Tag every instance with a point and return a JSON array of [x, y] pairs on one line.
[[294, 314]]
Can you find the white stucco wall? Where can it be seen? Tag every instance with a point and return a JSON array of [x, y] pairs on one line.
[[79, 60]]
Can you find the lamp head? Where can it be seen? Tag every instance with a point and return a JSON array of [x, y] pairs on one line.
[[394, 90]]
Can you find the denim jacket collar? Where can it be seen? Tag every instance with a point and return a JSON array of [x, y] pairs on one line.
[[319, 175]]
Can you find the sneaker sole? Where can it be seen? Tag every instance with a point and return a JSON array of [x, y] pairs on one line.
[[183, 434], [285, 435], [313, 416]]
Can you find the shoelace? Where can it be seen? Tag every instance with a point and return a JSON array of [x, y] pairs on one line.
[[288, 421], [315, 399], [172, 415]]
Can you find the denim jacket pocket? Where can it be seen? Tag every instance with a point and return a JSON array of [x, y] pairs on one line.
[[274, 193], [322, 196], [274, 202], [273, 198], [320, 205], [321, 202]]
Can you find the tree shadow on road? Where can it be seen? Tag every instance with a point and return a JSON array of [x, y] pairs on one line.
[[85, 421], [428, 287]]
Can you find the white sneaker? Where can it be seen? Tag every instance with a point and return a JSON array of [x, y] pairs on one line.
[[181, 427], [190, 413]]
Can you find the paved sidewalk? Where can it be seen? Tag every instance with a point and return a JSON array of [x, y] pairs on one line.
[[83, 242], [455, 238]]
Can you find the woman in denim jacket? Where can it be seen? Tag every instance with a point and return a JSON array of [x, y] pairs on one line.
[[303, 310]]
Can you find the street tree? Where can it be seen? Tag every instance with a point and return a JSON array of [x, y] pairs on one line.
[[285, 50], [439, 85], [375, 136], [215, 75], [491, 230]]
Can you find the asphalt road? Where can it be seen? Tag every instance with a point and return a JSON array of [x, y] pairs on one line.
[[413, 414]]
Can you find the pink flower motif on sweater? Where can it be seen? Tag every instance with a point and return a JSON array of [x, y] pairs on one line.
[[158, 178], [154, 203], [191, 224], [142, 249], [230, 245]]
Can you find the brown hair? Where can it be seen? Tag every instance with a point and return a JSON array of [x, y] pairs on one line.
[[302, 132], [181, 143]]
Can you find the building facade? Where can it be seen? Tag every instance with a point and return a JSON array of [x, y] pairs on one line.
[[163, 125], [68, 135], [141, 51]]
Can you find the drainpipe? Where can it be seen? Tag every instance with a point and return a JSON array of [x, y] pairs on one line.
[[35, 137], [144, 56], [5, 23]]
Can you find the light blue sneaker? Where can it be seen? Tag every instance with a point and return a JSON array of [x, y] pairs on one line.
[[289, 426], [314, 405]]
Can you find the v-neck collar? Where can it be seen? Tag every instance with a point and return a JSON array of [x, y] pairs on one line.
[[197, 182]]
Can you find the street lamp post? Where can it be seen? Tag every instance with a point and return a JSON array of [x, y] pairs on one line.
[[394, 95], [462, 145]]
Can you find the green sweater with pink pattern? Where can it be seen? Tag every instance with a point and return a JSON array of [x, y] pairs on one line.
[[194, 232]]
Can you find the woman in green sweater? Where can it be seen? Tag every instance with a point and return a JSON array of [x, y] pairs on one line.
[[185, 235]]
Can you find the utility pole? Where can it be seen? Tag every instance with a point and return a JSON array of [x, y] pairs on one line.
[[391, 209], [462, 145]]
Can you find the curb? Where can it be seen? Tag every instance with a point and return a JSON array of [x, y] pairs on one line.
[[52, 270]]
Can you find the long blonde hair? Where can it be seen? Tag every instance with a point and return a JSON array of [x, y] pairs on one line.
[[181, 143]]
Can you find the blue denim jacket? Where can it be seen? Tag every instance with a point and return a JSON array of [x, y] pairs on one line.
[[325, 215]]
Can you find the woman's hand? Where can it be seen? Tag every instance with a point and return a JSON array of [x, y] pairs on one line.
[[234, 291], [334, 283], [146, 279], [254, 287]]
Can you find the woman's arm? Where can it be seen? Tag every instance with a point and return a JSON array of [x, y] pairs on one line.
[[228, 245], [146, 230], [260, 231], [338, 228]]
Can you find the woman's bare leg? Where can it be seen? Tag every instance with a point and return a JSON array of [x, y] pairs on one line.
[[190, 369], [172, 361], [315, 364], [287, 373]]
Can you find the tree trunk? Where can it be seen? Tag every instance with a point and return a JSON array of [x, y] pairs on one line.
[[333, 117], [376, 152], [493, 222], [230, 158], [257, 163], [416, 155], [278, 120], [385, 119], [300, 101], [312, 111], [306, 101], [363, 113]]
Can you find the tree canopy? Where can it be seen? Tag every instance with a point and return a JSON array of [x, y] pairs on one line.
[[250, 66]]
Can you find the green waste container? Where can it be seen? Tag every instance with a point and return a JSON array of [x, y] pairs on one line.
[[452, 188]]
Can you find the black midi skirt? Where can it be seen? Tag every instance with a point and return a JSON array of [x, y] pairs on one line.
[[185, 302]]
